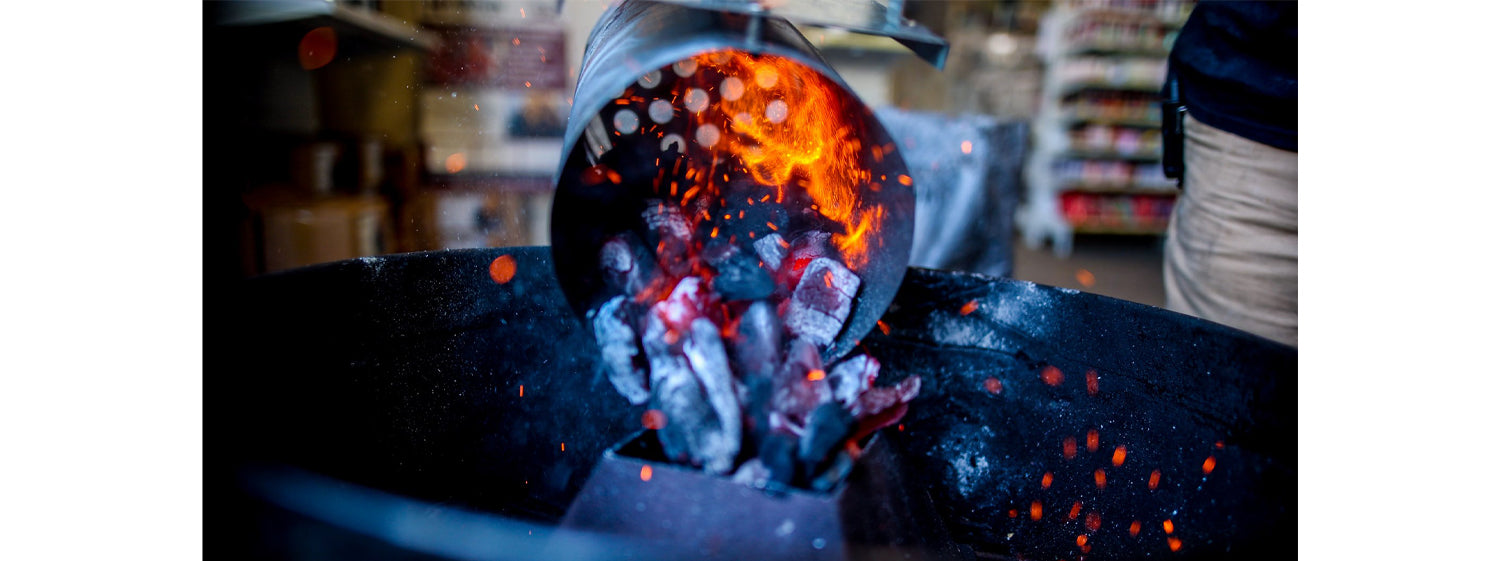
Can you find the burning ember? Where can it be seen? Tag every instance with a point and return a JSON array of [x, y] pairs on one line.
[[741, 270]]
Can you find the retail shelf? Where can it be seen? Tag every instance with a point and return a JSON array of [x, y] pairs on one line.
[[1127, 15], [1119, 189], [360, 23], [1120, 230], [1109, 49], [492, 182], [1077, 87], [1116, 121], [1075, 154]]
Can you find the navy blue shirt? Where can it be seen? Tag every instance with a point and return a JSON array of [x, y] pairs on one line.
[[1236, 67]]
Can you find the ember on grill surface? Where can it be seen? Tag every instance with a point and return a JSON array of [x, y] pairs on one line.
[[741, 181]]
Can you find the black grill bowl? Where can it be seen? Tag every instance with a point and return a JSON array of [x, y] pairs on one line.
[[409, 406]]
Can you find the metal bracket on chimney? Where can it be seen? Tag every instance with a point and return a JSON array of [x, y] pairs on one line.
[[869, 17]]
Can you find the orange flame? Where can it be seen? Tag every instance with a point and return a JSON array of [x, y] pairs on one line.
[[1093, 440], [797, 133], [1208, 465], [1167, 525], [1119, 457], [1155, 479], [1036, 510], [645, 473], [1174, 543], [1046, 480], [1135, 528]]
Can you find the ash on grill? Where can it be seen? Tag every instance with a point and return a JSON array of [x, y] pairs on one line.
[[740, 272]]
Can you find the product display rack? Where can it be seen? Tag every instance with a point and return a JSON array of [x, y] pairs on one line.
[[1095, 163]]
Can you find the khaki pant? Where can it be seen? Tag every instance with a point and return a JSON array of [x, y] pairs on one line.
[[1231, 249]]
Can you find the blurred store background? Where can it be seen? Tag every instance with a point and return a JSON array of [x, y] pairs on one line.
[[343, 129]]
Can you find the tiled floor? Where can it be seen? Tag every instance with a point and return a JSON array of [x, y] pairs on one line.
[[1125, 267]]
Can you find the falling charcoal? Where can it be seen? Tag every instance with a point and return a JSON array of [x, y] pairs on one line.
[[801, 252], [686, 303], [628, 266], [705, 354], [771, 250], [741, 278], [882, 407], [800, 385], [819, 306], [840, 467], [669, 234], [757, 342], [665, 218], [851, 377], [778, 454], [676, 393], [619, 350], [826, 428], [718, 251], [879, 399]]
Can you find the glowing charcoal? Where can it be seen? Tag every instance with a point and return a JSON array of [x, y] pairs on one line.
[[878, 400], [795, 396], [619, 350], [627, 265], [771, 250], [852, 377], [821, 303]]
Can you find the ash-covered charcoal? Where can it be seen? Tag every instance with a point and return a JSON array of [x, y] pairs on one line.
[[821, 303], [851, 377], [628, 266], [740, 277], [756, 344], [800, 384], [618, 347], [772, 250], [826, 429], [706, 356], [690, 433], [670, 236], [665, 218]]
